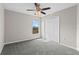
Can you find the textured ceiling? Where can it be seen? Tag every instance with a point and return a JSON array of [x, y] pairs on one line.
[[22, 7]]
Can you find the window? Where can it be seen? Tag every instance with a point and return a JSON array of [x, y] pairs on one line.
[[35, 26]]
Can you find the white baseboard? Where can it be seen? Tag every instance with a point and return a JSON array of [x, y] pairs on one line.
[[68, 46], [77, 49], [20, 41], [1, 46]]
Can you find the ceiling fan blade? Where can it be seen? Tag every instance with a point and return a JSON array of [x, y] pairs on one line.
[[43, 12], [46, 8], [30, 10]]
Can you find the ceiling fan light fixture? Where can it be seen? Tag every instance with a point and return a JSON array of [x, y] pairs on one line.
[[38, 13], [38, 10]]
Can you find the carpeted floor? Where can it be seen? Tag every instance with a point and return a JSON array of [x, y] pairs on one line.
[[37, 47]]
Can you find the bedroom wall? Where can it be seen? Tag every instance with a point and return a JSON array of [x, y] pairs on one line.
[[78, 27], [1, 27], [67, 25], [18, 27]]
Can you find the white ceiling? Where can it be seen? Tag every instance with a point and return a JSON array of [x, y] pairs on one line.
[[22, 7]]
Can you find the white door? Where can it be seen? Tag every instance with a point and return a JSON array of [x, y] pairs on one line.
[[52, 29]]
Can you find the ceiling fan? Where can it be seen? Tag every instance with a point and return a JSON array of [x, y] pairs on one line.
[[39, 10]]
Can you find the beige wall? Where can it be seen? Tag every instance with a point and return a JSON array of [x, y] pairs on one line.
[[78, 27], [18, 27], [67, 20], [1, 27]]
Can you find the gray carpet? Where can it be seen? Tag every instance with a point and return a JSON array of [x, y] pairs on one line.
[[37, 47]]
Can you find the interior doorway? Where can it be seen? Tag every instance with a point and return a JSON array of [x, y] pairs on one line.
[[50, 29]]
